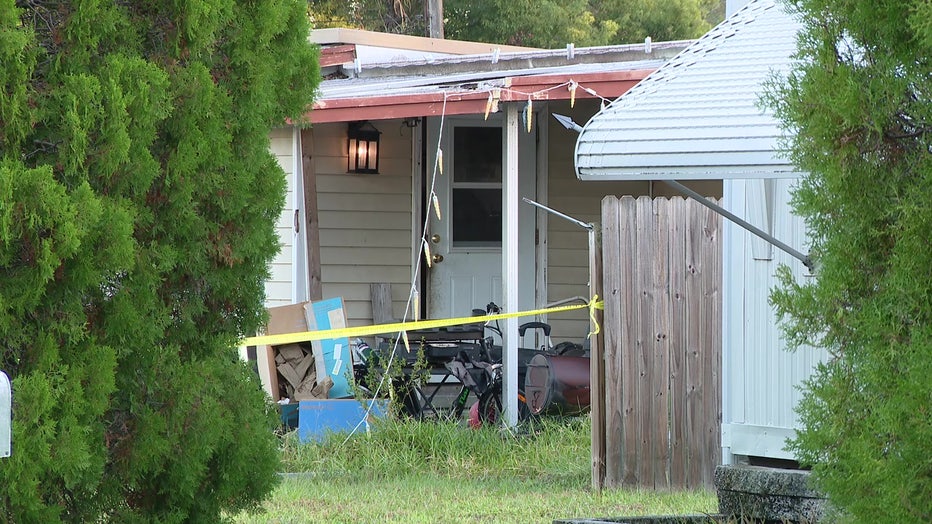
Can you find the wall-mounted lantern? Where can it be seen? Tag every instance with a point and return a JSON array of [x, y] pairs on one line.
[[363, 152]]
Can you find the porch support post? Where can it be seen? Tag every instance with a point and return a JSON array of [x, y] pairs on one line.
[[311, 224], [510, 268]]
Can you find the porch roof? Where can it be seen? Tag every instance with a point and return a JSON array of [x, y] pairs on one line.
[[464, 83], [699, 116]]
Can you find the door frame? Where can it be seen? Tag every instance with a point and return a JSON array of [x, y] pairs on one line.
[[529, 157]]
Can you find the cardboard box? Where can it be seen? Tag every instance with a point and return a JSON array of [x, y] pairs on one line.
[[335, 359], [287, 319], [282, 319], [299, 371]]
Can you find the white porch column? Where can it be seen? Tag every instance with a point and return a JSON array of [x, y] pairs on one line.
[[510, 269]]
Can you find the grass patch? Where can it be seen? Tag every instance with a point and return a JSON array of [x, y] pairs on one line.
[[442, 472]]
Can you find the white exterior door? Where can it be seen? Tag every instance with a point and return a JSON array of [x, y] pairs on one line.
[[466, 242]]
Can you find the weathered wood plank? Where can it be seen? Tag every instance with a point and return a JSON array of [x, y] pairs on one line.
[[659, 342], [693, 374], [644, 329], [662, 345], [710, 446], [613, 342], [596, 345], [311, 221], [678, 438], [381, 296], [627, 364]]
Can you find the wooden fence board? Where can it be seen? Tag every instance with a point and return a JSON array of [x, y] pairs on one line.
[[678, 440], [626, 361], [613, 336], [661, 278], [643, 328], [712, 342], [597, 345], [694, 333], [659, 342]]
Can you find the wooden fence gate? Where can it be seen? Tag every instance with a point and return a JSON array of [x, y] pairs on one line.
[[656, 373]]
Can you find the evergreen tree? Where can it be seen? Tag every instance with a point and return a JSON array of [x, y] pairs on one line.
[[661, 20], [546, 24], [137, 205], [860, 108]]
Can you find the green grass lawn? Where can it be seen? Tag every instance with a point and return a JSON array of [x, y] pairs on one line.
[[442, 472]]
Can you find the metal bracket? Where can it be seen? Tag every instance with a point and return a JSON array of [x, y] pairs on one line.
[[743, 223]]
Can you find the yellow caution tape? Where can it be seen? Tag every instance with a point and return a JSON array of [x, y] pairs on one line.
[[594, 304], [403, 327]]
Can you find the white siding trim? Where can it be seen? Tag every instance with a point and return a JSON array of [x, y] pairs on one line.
[[543, 177], [757, 441], [732, 315], [279, 289], [299, 274]]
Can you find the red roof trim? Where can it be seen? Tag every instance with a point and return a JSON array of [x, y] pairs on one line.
[[608, 85], [337, 55]]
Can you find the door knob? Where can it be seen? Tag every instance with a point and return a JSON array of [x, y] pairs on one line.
[[437, 259]]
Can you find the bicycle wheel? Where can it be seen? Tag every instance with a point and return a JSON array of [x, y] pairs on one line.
[[490, 407]]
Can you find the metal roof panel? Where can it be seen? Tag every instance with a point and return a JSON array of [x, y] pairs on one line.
[[700, 113]]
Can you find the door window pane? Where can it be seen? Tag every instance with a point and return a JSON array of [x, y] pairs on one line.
[[477, 216], [477, 154], [477, 186]]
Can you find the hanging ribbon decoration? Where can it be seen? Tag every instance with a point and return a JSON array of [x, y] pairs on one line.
[[528, 114], [436, 202]]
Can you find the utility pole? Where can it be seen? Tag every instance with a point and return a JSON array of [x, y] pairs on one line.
[[435, 18]]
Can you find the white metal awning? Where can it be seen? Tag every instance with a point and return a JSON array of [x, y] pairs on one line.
[[700, 116]]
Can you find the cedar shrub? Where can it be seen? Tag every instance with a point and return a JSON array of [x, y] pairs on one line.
[[859, 106], [138, 199]]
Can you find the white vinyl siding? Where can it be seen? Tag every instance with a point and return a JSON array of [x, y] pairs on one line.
[[365, 220], [761, 375], [279, 289]]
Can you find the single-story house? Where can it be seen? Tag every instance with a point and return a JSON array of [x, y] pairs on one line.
[[465, 132], [425, 95], [700, 117]]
